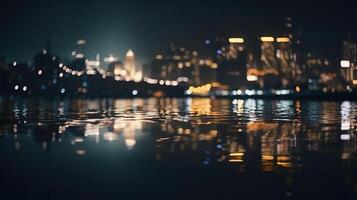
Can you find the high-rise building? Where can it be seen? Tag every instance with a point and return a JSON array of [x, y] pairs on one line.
[[232, 60], [80, 49], [268, 56], [129, 64], [269, 63], [283, 54], [349, 61], [296, 56], [176, 64]]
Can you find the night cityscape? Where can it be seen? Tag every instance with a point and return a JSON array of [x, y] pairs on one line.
[[178, 99]]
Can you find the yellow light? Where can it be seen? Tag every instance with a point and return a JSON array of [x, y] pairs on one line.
[[297, 89], [267, 39], [284, 164], [267, 157], [282, 39], [200, 90], [214, 66], [236, 154], [283, 158], [236, 40], [235, 160]]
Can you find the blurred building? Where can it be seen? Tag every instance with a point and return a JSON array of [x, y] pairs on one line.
[[80, 49], [129, 64], [349, 61], [45, 68], [321, 75], [231, 59], [269, 63], [176, 63]]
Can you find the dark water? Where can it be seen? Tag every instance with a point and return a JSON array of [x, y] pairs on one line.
[[177, 149]]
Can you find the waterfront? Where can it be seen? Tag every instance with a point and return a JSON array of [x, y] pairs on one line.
[[195, 148]]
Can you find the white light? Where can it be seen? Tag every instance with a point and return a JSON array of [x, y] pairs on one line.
[[252, 78], [60, 65], [60, 75], [250, 92], [345, 63], [239, 92], [14, 63], [174, 83], [63, 90], [135, 92], [161, 82], [24, 88], [81, 42], [16, 87], [188, 92], [345, 137], [39, 72], [79, 55]]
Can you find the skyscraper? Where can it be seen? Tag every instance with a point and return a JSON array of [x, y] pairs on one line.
[[79, 53], [349, 61], [268, 58], [283, 54], [232, 60], [129, 64]]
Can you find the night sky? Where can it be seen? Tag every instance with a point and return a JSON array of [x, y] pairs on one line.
[[113, 26]]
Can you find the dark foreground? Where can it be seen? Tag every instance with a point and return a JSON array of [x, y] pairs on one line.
[[178, 149]]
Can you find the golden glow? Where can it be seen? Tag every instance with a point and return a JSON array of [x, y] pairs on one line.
[[297, 89], [214, 66], [284, 164], [235, 160], [200, 90], [138, 76], [267, 39], [255, 72], [282, 39], [236, 40], [267, 157], [236, 154], [259, 125], [283, 158]]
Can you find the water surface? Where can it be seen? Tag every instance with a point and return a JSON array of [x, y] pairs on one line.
[[177, 149]]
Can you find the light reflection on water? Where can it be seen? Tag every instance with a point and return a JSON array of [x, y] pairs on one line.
[[237, 137]]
